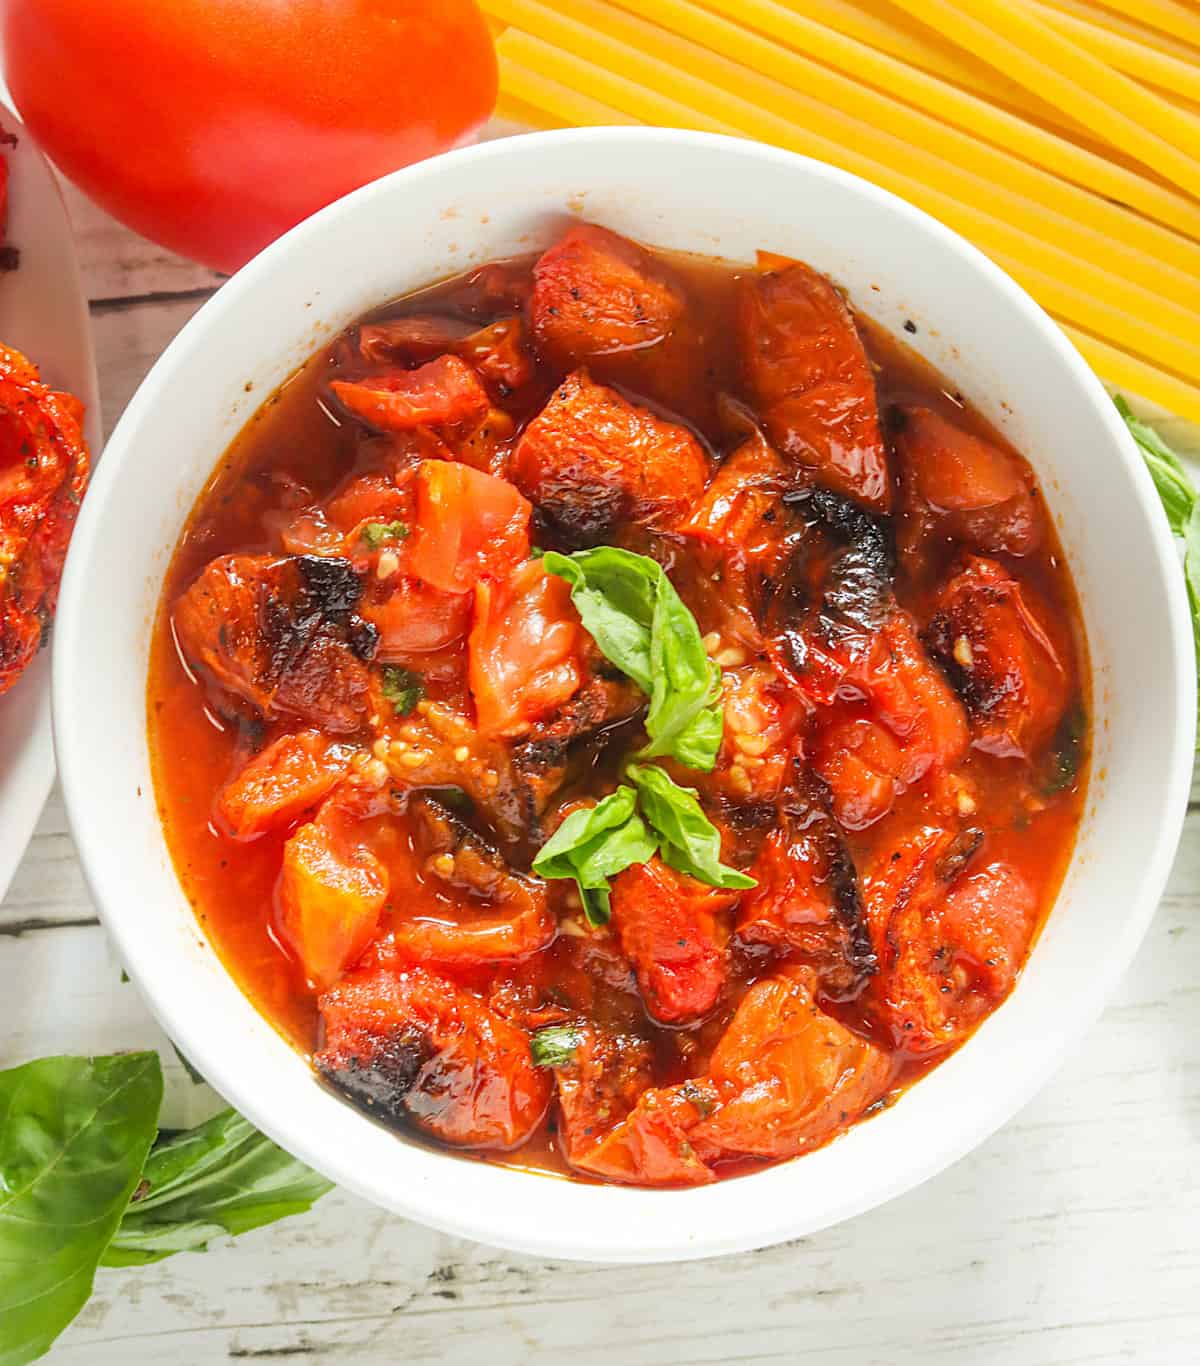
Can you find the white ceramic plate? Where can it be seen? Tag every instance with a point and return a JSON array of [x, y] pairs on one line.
[[44, 314]]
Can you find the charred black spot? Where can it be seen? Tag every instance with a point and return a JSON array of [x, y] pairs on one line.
[[806, 810], [380, 1080], [334, 587], [963, 848], [580, 516], [363, 639]]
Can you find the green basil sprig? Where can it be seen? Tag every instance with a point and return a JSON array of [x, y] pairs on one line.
[[74, 1137], [221, 1178], [594, 844], [688, 840], [639, 622], [1181, 503], [81, 1186], [630, 826]]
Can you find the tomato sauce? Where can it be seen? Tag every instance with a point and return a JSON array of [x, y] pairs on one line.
[[905, 695]]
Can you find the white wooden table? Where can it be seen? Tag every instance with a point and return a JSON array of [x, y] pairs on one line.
[[1072, 1236]]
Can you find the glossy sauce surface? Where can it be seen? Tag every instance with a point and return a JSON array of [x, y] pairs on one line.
[[302, 448]]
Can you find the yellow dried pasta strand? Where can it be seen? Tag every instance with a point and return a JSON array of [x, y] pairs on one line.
[[1032, 52], [1134, 375], [1089, 223], [566, 106], [1095, 298], [1135, 59], [1166, 15]]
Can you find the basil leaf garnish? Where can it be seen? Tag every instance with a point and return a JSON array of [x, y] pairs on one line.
[[74, 1136], [639, 621], [594, 844], [689, 841], [402, 688], [376, 534], [555, 1046]]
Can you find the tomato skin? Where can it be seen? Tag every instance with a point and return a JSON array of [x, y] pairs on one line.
[[261, 112], [523, 650], [668, 926], [468, 524], [280, 783]]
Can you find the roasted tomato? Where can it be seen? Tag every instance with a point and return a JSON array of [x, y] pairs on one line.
[[808, 374], [652, 1145], [740, 510], [596, 293], [376, 496], [599, 1087], [281, 783], [500, 354], [281, 634], [444, 393], [524, 650], [469, 524], [807, 902], [908, 725], [761, 723], [414, 620], [951, 929], [409, 1046], [44, 466], [331, 890], [411, 340], [741, 528], [437, 746], [471, 907], [994, 639], [591, 459], [669, 928], [786, 1075], [958, 485]]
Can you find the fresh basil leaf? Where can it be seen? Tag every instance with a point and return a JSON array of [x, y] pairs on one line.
[[555, 1046], [221, 1178], [594, 844], [402, 688], [690, 843], [74, 1134], [1191, 573], [376, 534], [1171, 479], [1181, 503], [641, 625], [615, 592], [686, 719]]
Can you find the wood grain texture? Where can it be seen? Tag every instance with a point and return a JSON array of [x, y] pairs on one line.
[[1073, 1236]]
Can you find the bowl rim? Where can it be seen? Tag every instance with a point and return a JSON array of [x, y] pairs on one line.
[[428, 1202]]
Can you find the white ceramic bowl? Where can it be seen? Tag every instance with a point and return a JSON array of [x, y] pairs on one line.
[[703, 194]]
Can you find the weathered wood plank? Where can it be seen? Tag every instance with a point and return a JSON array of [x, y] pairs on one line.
[[118, 264], [129, 341], [1069, 1237]]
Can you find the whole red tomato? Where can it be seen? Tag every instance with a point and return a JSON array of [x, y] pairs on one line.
[[212, 126]]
